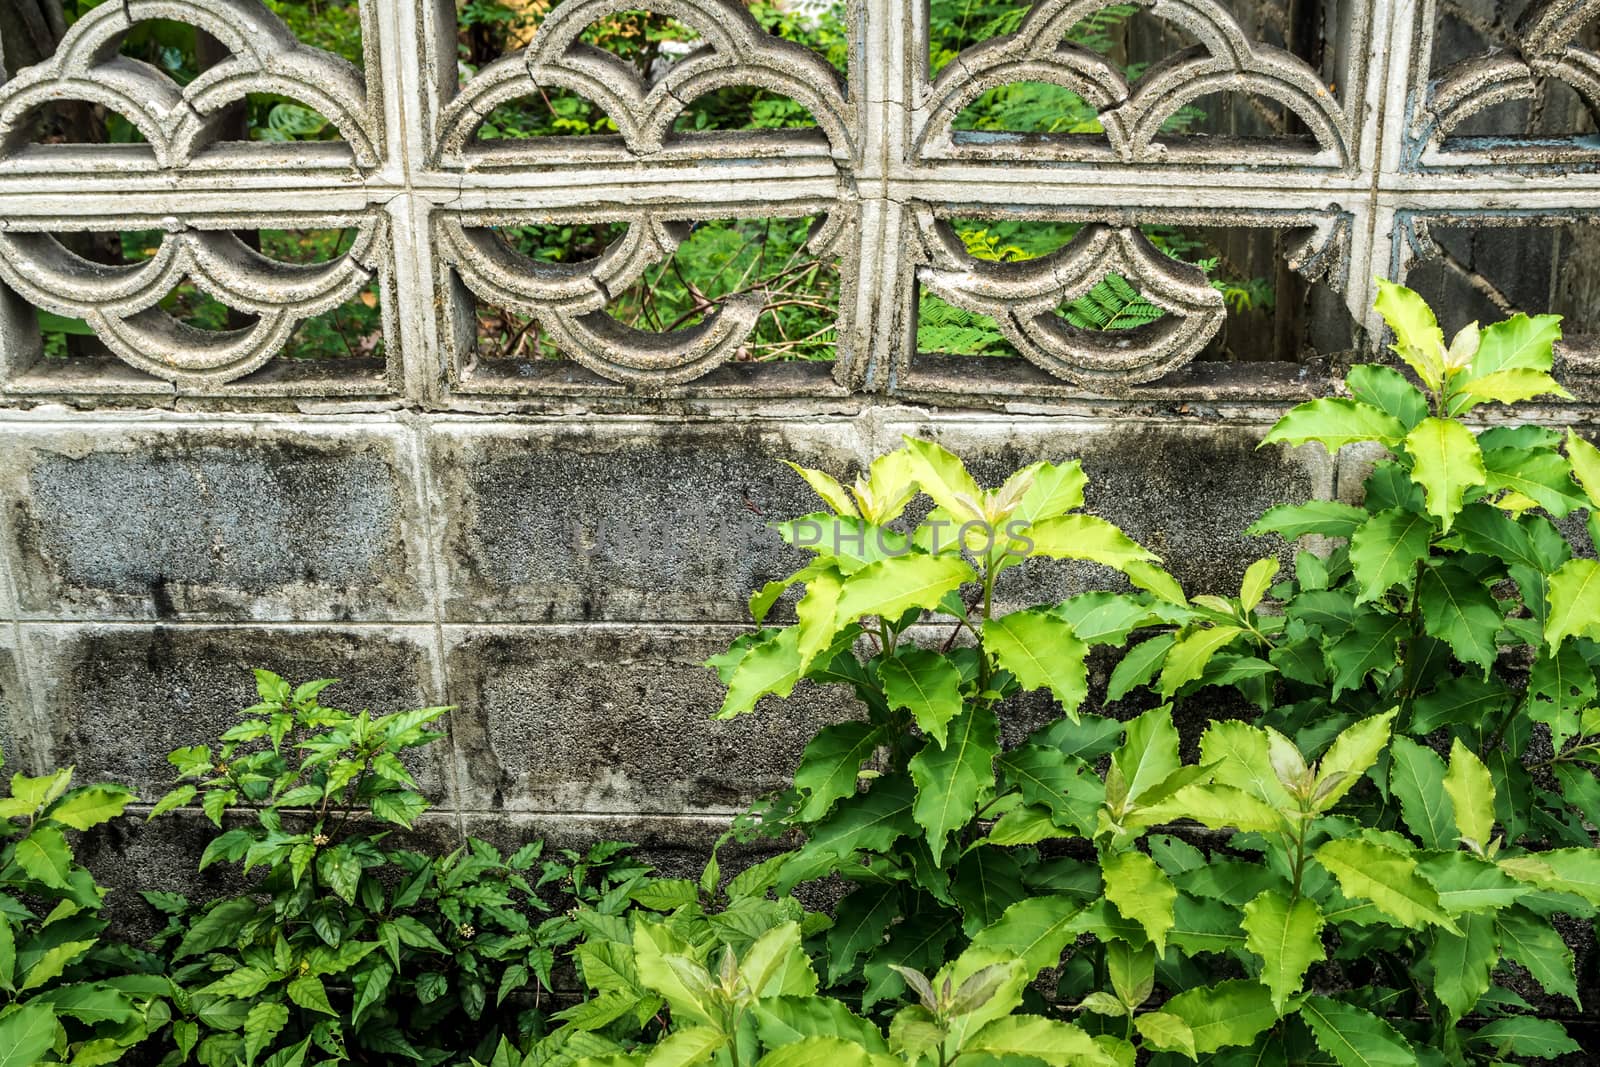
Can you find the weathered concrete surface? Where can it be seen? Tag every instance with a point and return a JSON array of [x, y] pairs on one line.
[[15, 718], [1185, 491], [614, 720], [252, 522], [123, 696], [622, 520]]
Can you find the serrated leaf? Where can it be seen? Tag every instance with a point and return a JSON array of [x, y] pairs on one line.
[[27, 1034], [1418, 339], [1350, 756], [91, 806], [1416, 776], [1149, 753], [772, 666], [44, 855], [1471, 793], [1534, 943], [1187, 659], [1520, 342], [943, 477], [1225, 1014], [1035, 931], [861, 921], [1055, 489], [1585, 460], [1368, 871], [1446, 462], [1325, 518], [950, 780], [1031, 1036], [1354, 1036], [1456, 608], [827, 487], [1574, 602], [1521, 1035], [1257, 580], [1335, 422], [1063, 785], [1288, 938], [1166, 1032], [1463, 964], [1086, 537], [830, 767], [1368, 645], [1388, 390], [1043, 652], [265, 1021], [1142, 892], [1138, 665], [1385, 552], [891, 587], [927, 684]]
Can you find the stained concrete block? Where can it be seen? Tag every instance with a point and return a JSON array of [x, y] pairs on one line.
[[614, 720], [221, 522], [124, 696], [14, 712], [623, 520], [1185, 490]]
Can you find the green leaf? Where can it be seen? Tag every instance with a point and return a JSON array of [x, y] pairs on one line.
[[265, 1021], [944, 478], [686, 1047], [340, 871], [1326, 518], [1149, 754], [56, 958], [891, 587], [1228, 1013], [1574, 602], [1517, 343], [1257, 580], [1034, 1037], [1463, 964], [1166, 1032], [1456, 608], [926, 683], [1350, 756], [1086, 537], [1288, 938], [821, 1052], [1504, 387], [825, 486], [784, 1020], [1385, 552], [1064, 786], [1240, 758], [1043, 652], [1142, 892], [1355, 1037], [1416, 776], [1036, 931], [1521, 1035], [177, 798], [870, 821], [1418, 339], [1388, 390], [1368, 871], [830, 767], [1369, 645], [817, 615], [372, 983], [1138, 665], [243, 983], [861, 920], [309, 993], [1446, 462], [217, 927], [45, 856], [1540, 474], [1188, 657], [665, 894], [1585, 461], [1056, 489], [91, 806], [27, 1034], [773, 666], [1472, 794], [1335, 422], [1487, 530], [950, 780], [1534, 943]]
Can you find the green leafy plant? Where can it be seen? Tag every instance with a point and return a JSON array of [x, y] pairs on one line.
[[66, 994], [362, 949]]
